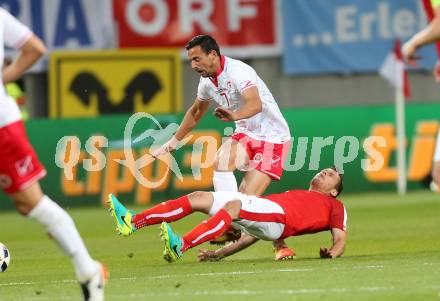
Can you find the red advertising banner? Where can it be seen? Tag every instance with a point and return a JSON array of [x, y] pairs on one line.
[[238, 25]]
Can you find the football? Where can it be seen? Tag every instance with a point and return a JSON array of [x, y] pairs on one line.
[[5, 257]]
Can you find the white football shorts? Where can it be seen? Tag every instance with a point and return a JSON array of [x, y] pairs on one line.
[[259, 217]]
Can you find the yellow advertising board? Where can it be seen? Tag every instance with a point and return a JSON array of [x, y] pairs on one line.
[[92, 83]]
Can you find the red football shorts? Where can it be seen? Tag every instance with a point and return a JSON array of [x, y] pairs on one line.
[[19, 165], [264, 156]]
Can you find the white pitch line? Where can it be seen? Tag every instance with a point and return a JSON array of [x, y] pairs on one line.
[[232, 273], [376, 288], [212, 274], [289, 292], [17, 283], [359, 267], [167, 276]]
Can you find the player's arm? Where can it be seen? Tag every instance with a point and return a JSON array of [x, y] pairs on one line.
[[245, 241], [30, 52], [436, 70], [252, 106], [189, 122], [192, 118], [338, 247], [428, 35]]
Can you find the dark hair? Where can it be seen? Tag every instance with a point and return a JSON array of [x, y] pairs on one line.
[[206, 42], [339, 187]]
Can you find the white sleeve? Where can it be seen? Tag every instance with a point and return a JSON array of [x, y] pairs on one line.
[[15, 33], [203, 91], [244, 78]]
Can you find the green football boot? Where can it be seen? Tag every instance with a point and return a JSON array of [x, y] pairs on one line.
[[122, 216], [173, 243]]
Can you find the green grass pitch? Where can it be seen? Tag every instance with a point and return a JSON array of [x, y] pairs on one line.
[[393, 253]]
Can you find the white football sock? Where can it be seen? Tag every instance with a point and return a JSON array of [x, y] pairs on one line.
[[60, 226], [224, 181]]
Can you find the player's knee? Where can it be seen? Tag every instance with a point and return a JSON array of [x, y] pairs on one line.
[[222, 163], [216, 163], [23, 210], [225, 158], [26, 200], [247, 189], [23, 207], [200, 201], [233, 208], [436, 173], [243, 187], [198, 195]]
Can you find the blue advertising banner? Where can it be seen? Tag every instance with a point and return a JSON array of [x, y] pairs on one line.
[[345, 36], [66, 24]]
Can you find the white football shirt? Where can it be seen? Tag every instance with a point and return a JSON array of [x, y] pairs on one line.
[[234, 78], [13, 34]]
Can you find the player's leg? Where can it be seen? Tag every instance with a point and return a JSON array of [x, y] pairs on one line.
[[435, 173], [262, 218], [214, 226], [255, 183], [225, 208], [230, 156], [127, 221], [435, 184], [21, 171], [267, 161], [32, 203]]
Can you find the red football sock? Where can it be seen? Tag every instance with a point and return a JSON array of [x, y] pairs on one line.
[[207, 230], [168, 211]]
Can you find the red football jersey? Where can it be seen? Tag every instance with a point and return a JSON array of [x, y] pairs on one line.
[[309, 212]]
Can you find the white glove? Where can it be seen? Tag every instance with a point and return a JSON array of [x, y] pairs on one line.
[[168, 147]]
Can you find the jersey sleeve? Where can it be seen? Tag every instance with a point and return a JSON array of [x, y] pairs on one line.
[[338, 217], [15, 33], [244, 77], [203, 91]]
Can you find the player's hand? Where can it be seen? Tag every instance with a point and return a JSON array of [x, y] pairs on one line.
[[224, 114], [208, 255], [436, 72], [325, 253], [168, 147], [408, 53]]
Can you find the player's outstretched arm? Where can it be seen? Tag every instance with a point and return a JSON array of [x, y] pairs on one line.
[[338, 246], [428, 35], [436, 72], [190, 120], [30, 52], [210, 255]]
